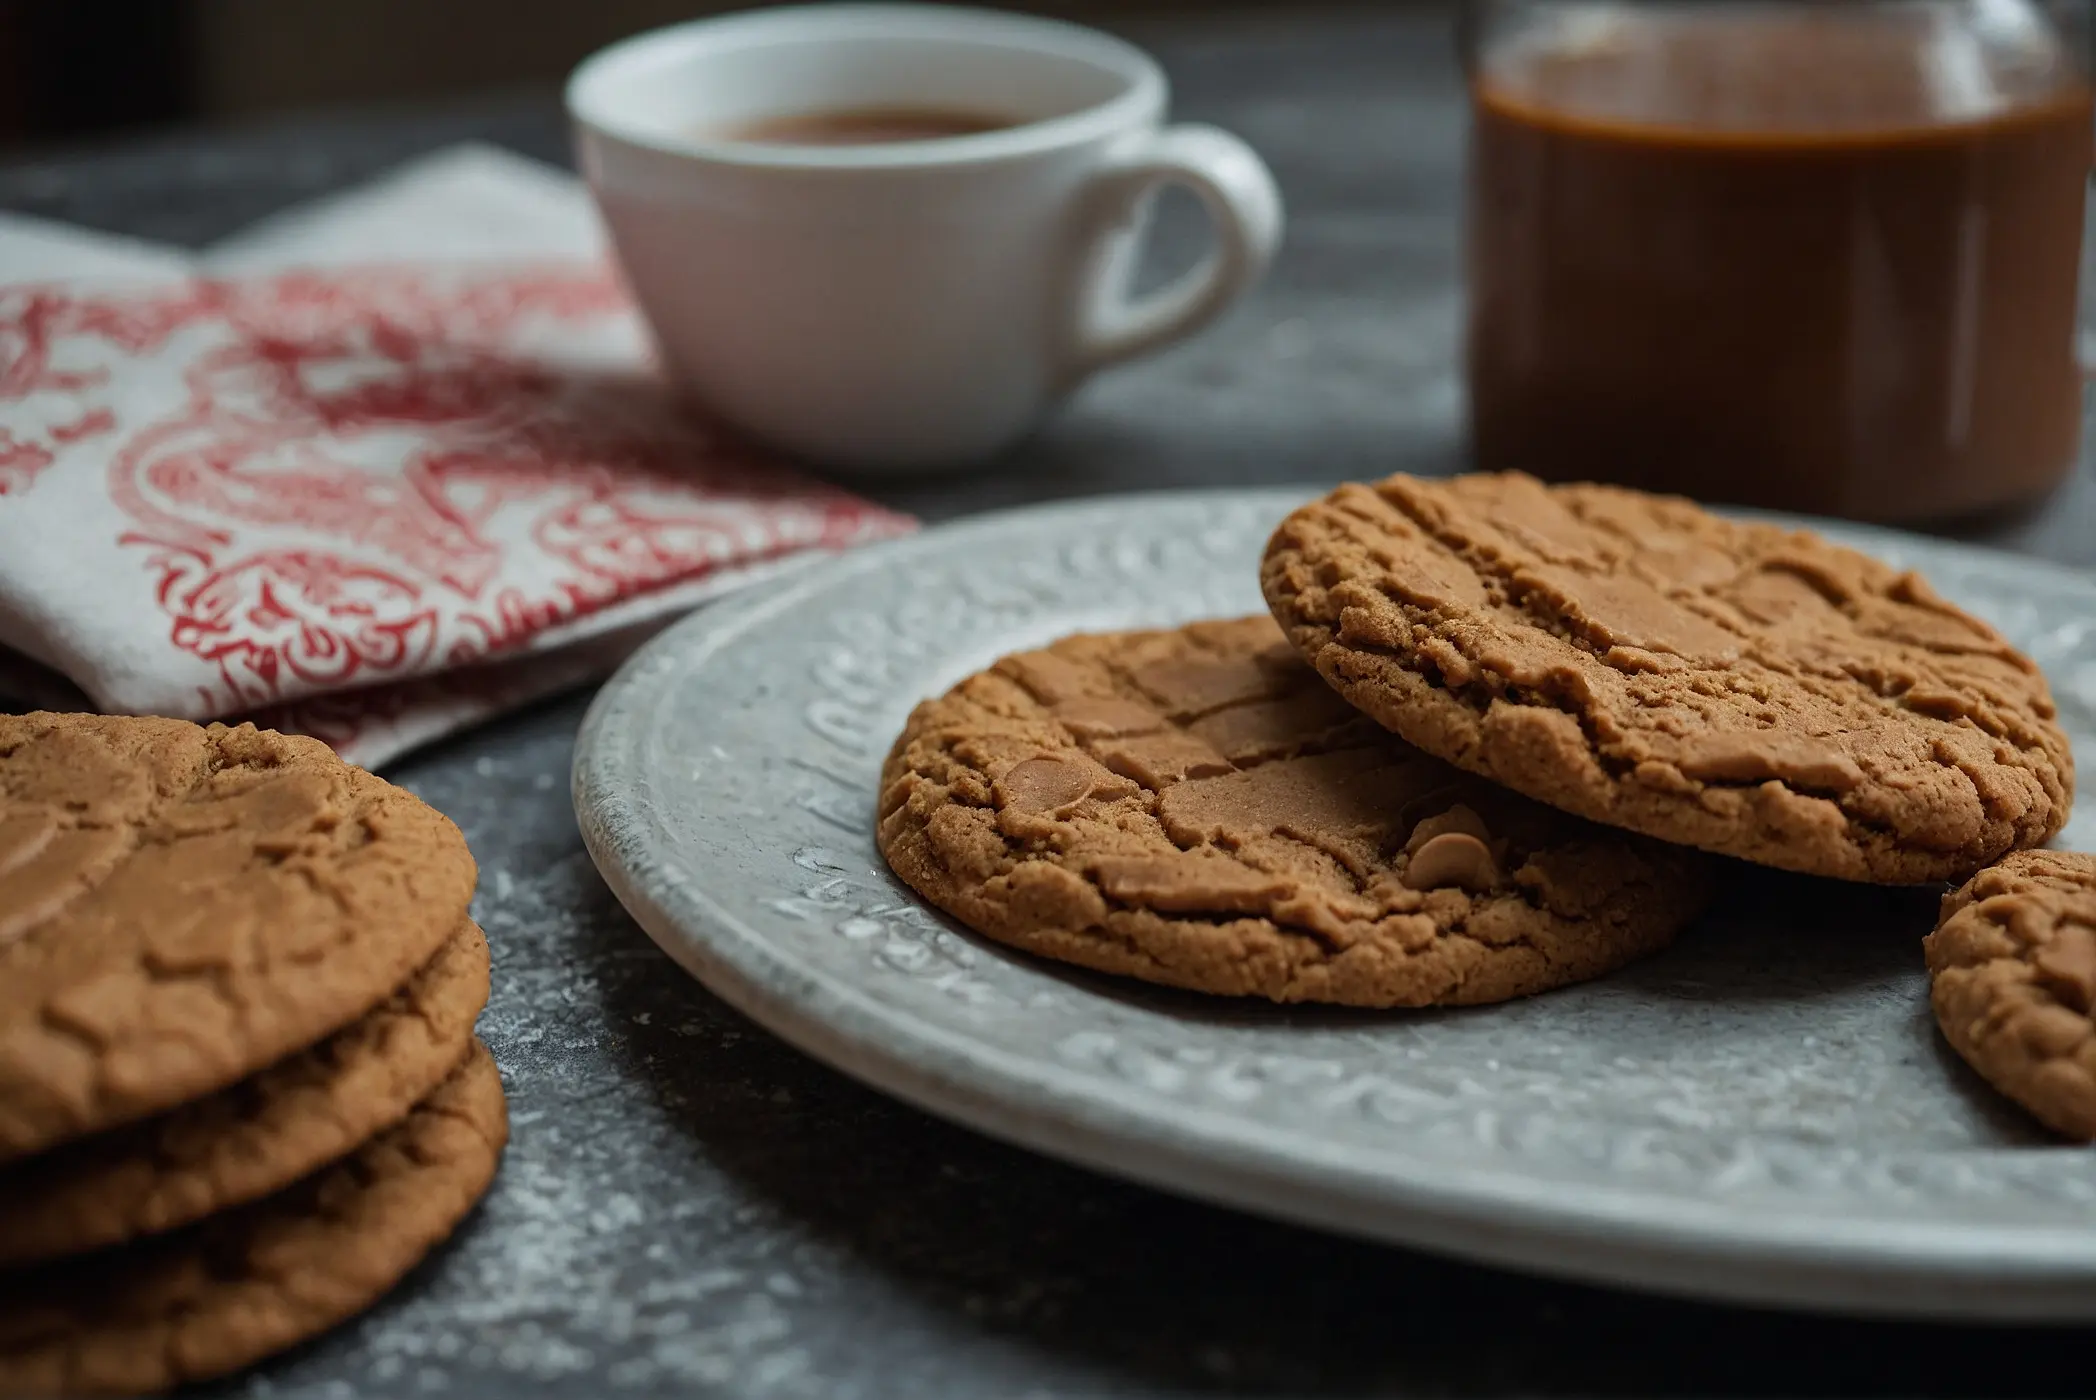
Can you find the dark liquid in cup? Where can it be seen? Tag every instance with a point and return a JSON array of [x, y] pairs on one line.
[[869, 126], [1793, 261]]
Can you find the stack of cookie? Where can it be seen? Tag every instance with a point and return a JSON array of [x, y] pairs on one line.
[[240, 1094], [1487, 744]]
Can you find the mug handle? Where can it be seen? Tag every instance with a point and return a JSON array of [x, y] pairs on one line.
[[1230, 180]]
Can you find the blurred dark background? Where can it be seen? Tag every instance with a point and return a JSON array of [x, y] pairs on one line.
[[74, 70]]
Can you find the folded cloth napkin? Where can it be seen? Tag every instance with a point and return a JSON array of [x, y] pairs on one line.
[[374, 470]]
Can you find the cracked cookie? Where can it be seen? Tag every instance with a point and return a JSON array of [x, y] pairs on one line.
[[2012, 978], [1196, 808], [256, 1137], [181, 906], [1750, 690], [224, 1293]]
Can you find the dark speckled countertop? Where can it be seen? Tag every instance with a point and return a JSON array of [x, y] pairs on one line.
[[690, 1207]]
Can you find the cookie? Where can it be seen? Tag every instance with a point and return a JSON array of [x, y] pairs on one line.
[[181, 906], [2012, 978], [260, 1135], [1196, 808], [235, 1288], [1751, 690]]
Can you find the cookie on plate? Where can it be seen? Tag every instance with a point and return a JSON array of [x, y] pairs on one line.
[[1751, 690], [1196, 808], [232, 1289], [183, 905], [2012, 978], [256, 1137]]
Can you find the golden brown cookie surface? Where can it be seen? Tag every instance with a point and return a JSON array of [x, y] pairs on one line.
[[224, 1293], [256, 1137], [1636, 660], [2012, 978], [1196, 808], [181, 905]]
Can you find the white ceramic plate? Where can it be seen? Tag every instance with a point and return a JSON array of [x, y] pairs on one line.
[[1764, 1113]]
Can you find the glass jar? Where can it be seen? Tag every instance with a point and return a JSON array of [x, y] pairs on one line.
[[1790, 253]]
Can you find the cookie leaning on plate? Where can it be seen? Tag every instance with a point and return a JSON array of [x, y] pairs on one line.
[[2012, 978], [1750, 690], [183, 905], [1196, 808], [235, 1288], [256, 1137]]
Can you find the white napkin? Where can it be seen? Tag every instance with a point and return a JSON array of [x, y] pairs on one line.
[[374, 469]]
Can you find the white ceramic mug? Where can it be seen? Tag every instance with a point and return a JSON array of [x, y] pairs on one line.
[[915, 304]]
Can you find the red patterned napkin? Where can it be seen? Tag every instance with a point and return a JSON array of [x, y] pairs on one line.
[[376, 471]]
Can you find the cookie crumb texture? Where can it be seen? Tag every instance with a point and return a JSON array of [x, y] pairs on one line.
[[2012, 978], [258, 1136], [1754, 691], [182, 905], [1196, 808], [236, 1288]]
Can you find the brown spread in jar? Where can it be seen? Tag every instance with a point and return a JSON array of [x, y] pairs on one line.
[[1819, 258]]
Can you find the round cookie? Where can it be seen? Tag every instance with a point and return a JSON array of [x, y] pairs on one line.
[[1196, 808], [222, 1294], [2012, 978], [1754, 691], [256, 1137], [180, 906]]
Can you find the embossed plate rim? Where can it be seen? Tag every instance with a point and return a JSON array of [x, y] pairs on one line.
[[1710, 1248]]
